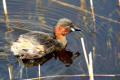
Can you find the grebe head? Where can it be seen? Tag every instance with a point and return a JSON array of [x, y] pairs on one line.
[[62, 27]]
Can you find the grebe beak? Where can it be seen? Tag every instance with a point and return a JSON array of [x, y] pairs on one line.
[[75, 29]]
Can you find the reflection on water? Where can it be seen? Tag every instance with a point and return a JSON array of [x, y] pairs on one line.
[[64, 56], [41, 15]]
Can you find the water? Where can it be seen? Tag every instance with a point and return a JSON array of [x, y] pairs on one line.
[[41, 15]]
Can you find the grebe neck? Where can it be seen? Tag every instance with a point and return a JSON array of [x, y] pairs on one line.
[[59, 33]]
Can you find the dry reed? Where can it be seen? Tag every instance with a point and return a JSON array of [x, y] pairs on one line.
[[91, 67], [5, 10], [10, 69], [93, 51], [39, 72], [86, 11], [89, 64], [78, 75], [85, 53], [21, 71], [93, 14]]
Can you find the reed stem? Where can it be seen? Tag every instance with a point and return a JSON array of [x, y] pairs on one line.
[[5, 9], [93, 14], [85, 53], [91, 76], [39, 71], [10, 69]]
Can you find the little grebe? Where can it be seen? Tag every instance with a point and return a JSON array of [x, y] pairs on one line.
[[36, 44]]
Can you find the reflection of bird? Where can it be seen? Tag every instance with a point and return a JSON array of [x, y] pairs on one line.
[[36, 44], [35, 61], [67, 57]]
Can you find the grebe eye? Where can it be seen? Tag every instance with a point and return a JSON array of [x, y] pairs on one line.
[[71, 25]]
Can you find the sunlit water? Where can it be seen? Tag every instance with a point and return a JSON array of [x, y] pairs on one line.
[[41, 15]]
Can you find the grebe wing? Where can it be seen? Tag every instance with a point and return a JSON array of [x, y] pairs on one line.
[[41, 38], [34, 44]]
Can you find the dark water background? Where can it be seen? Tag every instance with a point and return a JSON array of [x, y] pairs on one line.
[[41, 15]]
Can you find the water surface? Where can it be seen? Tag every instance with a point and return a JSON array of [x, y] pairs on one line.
[[41, 15]]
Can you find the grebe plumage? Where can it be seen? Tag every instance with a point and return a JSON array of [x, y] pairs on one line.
[[36, 43]]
